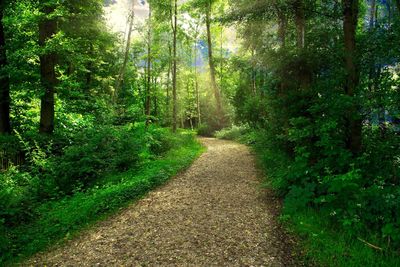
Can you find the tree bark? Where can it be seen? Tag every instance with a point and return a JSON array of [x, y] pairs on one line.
[[282, 26], [148, 89], [121, 75], [174, 68], [354, 127], [169, 83], [196, 83], [217, 93], [5, 125], [300, 23], [47, 28]]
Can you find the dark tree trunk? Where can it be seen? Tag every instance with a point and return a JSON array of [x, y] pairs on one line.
[[300, 23], [354, 127], [282, 26], [148, 90], [174, 68], [304, 73], [121, 76], [155, 100], [47, 28], [5, 125], [169, 83], [217, 93]]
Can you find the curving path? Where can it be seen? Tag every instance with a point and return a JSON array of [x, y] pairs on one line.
[[213, 214]]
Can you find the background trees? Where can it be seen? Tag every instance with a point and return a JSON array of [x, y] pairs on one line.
[[5, 125], [316, 82], [320, 85]]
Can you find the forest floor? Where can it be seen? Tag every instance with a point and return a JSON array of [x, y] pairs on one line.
[[213, 214]]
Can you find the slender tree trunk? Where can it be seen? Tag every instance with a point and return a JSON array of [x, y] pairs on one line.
[[221, 65], [304, 73], [253, 72], [300, 23], [5, 125], [121, 75], [47, 28], [282, 26], [148, 91], [174, 69], [155, 104], [169, 82], [354, 136], [196, 83], [217, 93], [283, 85], [398, 5]]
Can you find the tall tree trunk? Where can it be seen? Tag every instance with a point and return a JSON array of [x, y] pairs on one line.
[[253, 72], [47, 28], [174, 69], [217, 93], [283, 85], [169, 82], [304, 73], [354, 135], [121, 75], [196, 83], [155, 100], [282, 26], [300, 23], [148, 89], [5, 125]]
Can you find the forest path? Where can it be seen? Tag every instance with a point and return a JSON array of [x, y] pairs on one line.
[[213, 214]]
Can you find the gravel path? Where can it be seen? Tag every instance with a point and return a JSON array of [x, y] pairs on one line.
[[213, 214]]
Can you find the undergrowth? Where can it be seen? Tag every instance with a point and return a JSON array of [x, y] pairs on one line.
[[61, 216], [346, 219]]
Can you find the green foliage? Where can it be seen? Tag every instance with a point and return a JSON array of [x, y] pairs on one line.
[[238, 133], [295, 98], [60, 218], [96, 152]]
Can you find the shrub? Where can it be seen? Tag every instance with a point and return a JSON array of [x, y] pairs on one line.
[[96, 152], [205, 130], [160, 140], [17, 195]]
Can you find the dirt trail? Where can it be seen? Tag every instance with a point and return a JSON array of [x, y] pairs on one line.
[[214, 214]]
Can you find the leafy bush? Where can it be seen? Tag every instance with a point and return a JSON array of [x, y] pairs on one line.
[[243, 134], [161, 140], [17, 195], [205, 130], [233, 133], [96, 152], [60, 218]]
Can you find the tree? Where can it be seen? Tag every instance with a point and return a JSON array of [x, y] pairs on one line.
[[121, 75], [5, 125], [217, 93], [350, 10], [174, 26], [149, 55], [47, 29]]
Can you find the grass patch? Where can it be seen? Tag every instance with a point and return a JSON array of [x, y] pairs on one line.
[[324, 245], [59, 220]]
